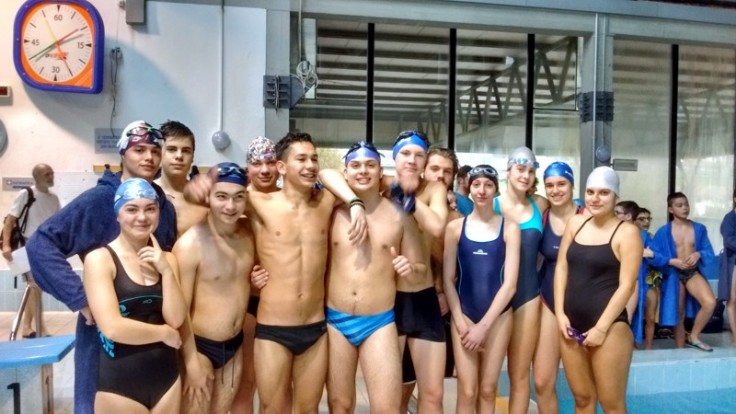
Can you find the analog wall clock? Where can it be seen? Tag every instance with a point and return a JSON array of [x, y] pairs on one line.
[[59, 45]]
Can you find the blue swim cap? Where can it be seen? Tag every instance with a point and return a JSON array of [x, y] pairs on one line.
[[362, 149], [410, 137], [560, 169], [229, 172], [133, 189]]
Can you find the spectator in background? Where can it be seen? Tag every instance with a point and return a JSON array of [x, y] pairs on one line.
[[650, 280], [682, 251], [462, 193], [626, 210], [43, 205], [725, 285]]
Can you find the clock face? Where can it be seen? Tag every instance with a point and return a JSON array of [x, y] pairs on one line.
[[57, 45]]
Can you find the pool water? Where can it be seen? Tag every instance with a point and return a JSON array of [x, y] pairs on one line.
[[720, 401]]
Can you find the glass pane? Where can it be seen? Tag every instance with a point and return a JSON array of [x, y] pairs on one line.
[[557, 138], [411, 73], [705, 134], [640, 129], [491, 93], [556, 120], [555, 72], [333, 111]]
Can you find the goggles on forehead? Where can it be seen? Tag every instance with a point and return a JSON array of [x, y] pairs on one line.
[[523, 161], [142, 132], [410, 137], [133, 189], [362, 149], [134, 193], [230, 171], [482, 171]]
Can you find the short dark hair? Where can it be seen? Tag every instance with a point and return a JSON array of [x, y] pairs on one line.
[[282, 147], [630, 207], [642, 210], [445, 153], [171, 129], [463, 171], [673, 196]]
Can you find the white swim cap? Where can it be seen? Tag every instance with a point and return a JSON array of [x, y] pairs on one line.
[[603, 177], [522, 156]]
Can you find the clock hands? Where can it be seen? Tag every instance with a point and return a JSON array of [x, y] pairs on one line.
[[61, 41], [62, 55]]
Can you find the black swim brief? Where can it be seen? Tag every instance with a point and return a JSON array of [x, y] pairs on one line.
[[219, 352], [418, 315], [687, 274], [296, 339], [253, 302]]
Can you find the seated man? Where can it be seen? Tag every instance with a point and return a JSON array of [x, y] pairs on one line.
[[681, 250], [215, 258], [362, 289]]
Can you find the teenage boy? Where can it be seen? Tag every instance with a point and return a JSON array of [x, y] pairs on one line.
[[682, 250], [176, 161]]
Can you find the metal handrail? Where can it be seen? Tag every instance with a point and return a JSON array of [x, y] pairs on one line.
[[19, 315]]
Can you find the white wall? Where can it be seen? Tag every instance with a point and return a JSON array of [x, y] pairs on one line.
[[170, 70]]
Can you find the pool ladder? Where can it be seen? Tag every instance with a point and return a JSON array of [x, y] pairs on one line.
[[23, 302]]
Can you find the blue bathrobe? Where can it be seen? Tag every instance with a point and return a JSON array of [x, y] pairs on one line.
[[664, 249], [728, 257], [637, 322], [88, 222]]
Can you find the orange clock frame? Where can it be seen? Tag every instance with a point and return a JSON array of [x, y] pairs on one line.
[[38, 51]]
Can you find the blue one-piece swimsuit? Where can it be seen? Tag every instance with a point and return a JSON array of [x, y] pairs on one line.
[[479, 273], [527, 287], [549, 248]]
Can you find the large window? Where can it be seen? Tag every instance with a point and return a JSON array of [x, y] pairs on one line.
[[333, 111], [491, 95], [705, 133], [556, 134], [411, 78], [640, 129], [411, 84]]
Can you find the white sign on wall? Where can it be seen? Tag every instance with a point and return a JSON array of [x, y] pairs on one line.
[[106, 140], [16, 183]]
